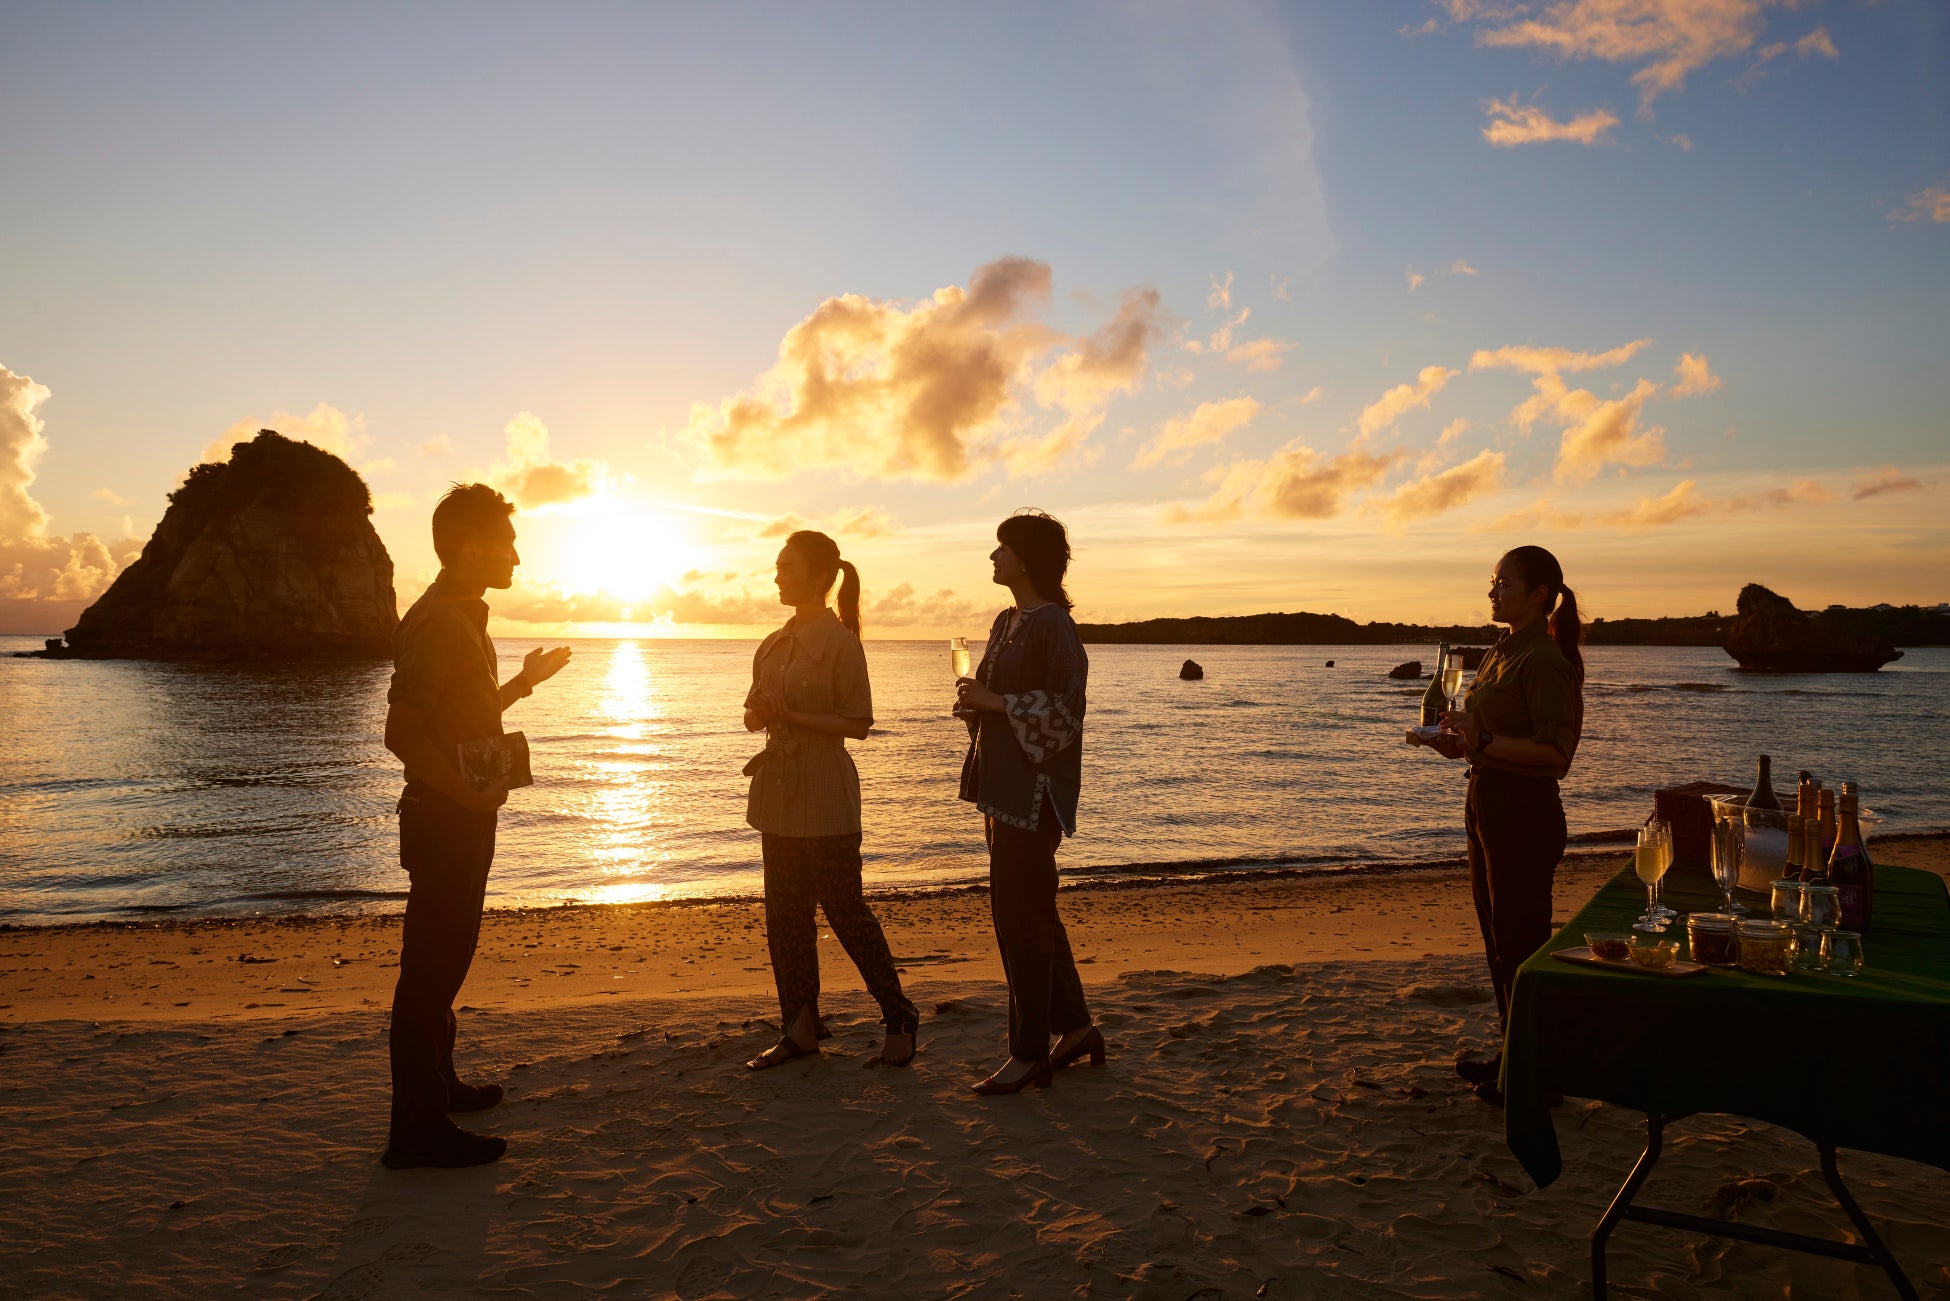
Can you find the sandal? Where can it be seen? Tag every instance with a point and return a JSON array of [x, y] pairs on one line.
[[909, 1025], [785, 1050]]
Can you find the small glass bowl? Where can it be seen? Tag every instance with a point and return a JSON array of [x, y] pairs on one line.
[[1654, 954], [1610, 946]]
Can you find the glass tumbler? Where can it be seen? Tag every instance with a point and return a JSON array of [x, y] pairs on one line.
[[1784, 901], [1843, 949], [1810, 948], [1821, 907]]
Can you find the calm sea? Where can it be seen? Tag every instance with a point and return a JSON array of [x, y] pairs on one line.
[[131, 789]]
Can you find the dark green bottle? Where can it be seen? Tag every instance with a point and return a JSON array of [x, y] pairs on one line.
[[1433, 702]]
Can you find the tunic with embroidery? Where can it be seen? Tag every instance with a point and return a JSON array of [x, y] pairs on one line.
[[804, 782], [1032, 748]]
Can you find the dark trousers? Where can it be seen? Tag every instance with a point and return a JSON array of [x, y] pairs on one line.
[[804, 872], [446, 851], [1045, 992], [1516, 836]]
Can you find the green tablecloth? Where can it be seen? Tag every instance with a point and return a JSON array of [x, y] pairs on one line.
[[1860, 1063]]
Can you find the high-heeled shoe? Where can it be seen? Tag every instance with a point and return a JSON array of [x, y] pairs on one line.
[[1039, 1076], [910, 1025], [1092, 1043]]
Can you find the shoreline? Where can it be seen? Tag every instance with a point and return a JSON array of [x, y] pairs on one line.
[[1121, 876]]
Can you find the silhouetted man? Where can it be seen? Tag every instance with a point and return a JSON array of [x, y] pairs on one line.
[[445, 691]]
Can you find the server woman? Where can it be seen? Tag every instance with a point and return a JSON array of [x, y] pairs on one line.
[[1518, 728], [1024, 768], [810, 692]]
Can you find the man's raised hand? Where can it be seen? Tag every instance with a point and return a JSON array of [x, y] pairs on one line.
[[539, 665]]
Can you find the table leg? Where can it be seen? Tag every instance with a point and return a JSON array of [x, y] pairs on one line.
[[1870, 1250], [1654, 1135]]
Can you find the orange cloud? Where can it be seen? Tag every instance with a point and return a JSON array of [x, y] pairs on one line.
[[1682, 502], [1512, 124], [1669, 39], [856, 521], [1294, 483], [1458, 485], [533, 478], [35, 566], [1208, 423], [1695, 376], [1600, 432], [1403, 398], [1259, 354], [886, 390], [1884, 482], [1932, 204], [1551, 361]]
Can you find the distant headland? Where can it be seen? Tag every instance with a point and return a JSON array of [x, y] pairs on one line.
[[1904, 625]]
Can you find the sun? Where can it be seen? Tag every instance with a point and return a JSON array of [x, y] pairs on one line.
[[618, 549]]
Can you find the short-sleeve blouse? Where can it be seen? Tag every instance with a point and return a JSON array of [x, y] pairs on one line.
[[1525, 687], [804, 782]]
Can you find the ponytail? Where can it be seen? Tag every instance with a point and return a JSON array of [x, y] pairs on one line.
[[850, 596], [1540, 569], [823, 554]]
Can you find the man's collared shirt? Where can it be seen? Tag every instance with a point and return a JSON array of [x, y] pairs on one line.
[[804, 782], [444, 665], [1526, 688]]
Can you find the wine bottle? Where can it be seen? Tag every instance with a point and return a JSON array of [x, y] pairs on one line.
[[1804, 794], [1792, 869], [1849, 869], [1814, 863], [1763, 796], [1825, 818], [1433, 702]]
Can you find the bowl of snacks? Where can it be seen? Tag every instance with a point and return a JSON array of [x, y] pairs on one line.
[[1653, 953], [1609, 946]]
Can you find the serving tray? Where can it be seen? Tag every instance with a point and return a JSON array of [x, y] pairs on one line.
[[1584, 957]]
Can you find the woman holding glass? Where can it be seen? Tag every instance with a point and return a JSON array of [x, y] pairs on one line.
[[1024, 768], [810, 692], [1518, 725]]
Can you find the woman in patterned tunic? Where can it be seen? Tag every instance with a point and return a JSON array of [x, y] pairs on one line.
[[1024, 708], [810, 692]]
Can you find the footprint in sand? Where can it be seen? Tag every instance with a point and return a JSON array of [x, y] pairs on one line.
[[279, 1257], [411, 1252], [367, 1228], [356, 1284], [701, 1276]]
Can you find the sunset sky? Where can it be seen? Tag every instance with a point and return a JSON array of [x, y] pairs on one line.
[[1314, 306]]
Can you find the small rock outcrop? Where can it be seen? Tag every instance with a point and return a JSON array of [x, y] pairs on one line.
[[1191, 671], [1404, 672], [1770, 636], [1330, 664], [269, 556]]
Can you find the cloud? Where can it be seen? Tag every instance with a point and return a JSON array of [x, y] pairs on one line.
[[1816, 42], [36, 566], [1294, 483], [1310, 396], [1551, 361], [888, 390], [1479, 476], [903, 607], [1932, 204], [1461, 268], [1452, 431], [1415, 278], [1208, 423], [1221, 295], [1695, 376], [438, 446], [1680, 138], [854, 521], [1884, 482], [1600, 432], [1260, 354], [531, 477], [1403, 398], [1668, 39], [110, 496], [326, 428], [1512, 124], [1682, 502]]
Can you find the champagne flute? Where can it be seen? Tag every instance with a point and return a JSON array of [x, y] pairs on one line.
[[1726, 862], [1650, 867], [1662, 836], [958, 654], [1451, 669]]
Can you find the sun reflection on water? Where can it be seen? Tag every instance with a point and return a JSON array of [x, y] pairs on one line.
[[631, 807]]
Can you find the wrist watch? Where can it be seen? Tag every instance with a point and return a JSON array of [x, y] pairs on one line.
[[1483, 739]]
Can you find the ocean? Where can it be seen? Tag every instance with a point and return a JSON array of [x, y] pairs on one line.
[[132, 789]]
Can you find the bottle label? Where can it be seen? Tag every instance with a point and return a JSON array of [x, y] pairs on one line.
[[1850, 899]]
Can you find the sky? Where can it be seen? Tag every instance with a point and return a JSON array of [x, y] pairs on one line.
[[1306, 306]]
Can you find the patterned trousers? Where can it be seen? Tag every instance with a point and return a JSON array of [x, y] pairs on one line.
[[804, 871]]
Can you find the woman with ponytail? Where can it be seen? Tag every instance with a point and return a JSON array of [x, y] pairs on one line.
[[1518, 728], [809, 693]]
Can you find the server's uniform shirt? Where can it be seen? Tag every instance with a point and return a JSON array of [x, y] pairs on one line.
[[1526, 688], [804, 782], [444, 665]]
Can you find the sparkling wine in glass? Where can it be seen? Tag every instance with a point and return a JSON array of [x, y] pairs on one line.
[[1452, 679], [1650, 866], [958, 652]]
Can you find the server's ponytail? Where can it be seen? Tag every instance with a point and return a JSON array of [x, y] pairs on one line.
[[849, 601]]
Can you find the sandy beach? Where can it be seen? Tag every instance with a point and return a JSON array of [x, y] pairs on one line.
[[194, 1108]]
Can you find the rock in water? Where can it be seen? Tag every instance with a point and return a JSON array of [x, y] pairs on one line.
[[1403, 672], [268, 556], [1769, 635], [1191, 672]]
